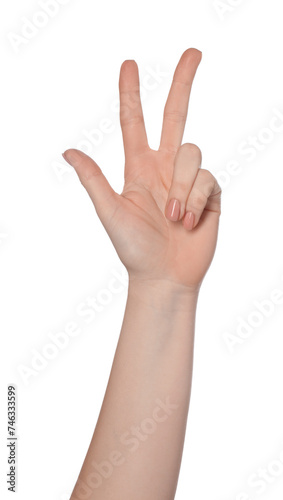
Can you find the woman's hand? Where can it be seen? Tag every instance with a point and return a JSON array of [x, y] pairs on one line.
[[157, 239]]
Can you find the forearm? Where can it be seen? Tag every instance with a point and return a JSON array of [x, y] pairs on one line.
[[141, 427]]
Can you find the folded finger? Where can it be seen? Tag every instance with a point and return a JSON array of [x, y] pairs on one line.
[[186, 166], [204, 195]]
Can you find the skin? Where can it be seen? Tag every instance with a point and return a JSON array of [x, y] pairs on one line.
[[167, 254]]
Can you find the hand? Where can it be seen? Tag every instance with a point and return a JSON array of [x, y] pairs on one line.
[[157, 239]]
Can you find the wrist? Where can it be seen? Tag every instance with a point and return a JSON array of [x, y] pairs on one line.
[[163, 294]]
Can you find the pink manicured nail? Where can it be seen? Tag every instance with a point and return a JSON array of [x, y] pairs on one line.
[[189, 220], [173, 210]]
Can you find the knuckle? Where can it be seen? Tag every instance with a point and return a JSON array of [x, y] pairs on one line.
[[218, 191], [130, 99], [209, 182], [89, 174], [169, 149], [193, 151], [198, 199], [179, 185], [179, 188], [131, 120], [174, 116], [218, 188], [207, 175]]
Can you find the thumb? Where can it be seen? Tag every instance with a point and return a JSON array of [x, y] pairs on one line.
[[104, 198]]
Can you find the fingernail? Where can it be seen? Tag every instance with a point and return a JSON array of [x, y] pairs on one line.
[[189, 220], [173, 210], [72, 157]]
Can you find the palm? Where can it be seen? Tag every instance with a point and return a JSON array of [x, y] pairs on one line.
[[146, 241]]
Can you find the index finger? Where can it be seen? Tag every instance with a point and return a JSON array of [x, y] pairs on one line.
[[176, 108]]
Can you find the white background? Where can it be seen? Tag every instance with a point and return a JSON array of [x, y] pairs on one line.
[[56, 87]]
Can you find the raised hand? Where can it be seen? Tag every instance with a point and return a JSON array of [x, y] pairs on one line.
[[164, 224]]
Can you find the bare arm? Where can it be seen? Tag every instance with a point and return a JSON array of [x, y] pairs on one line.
[[136, 449], [141, 426]]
